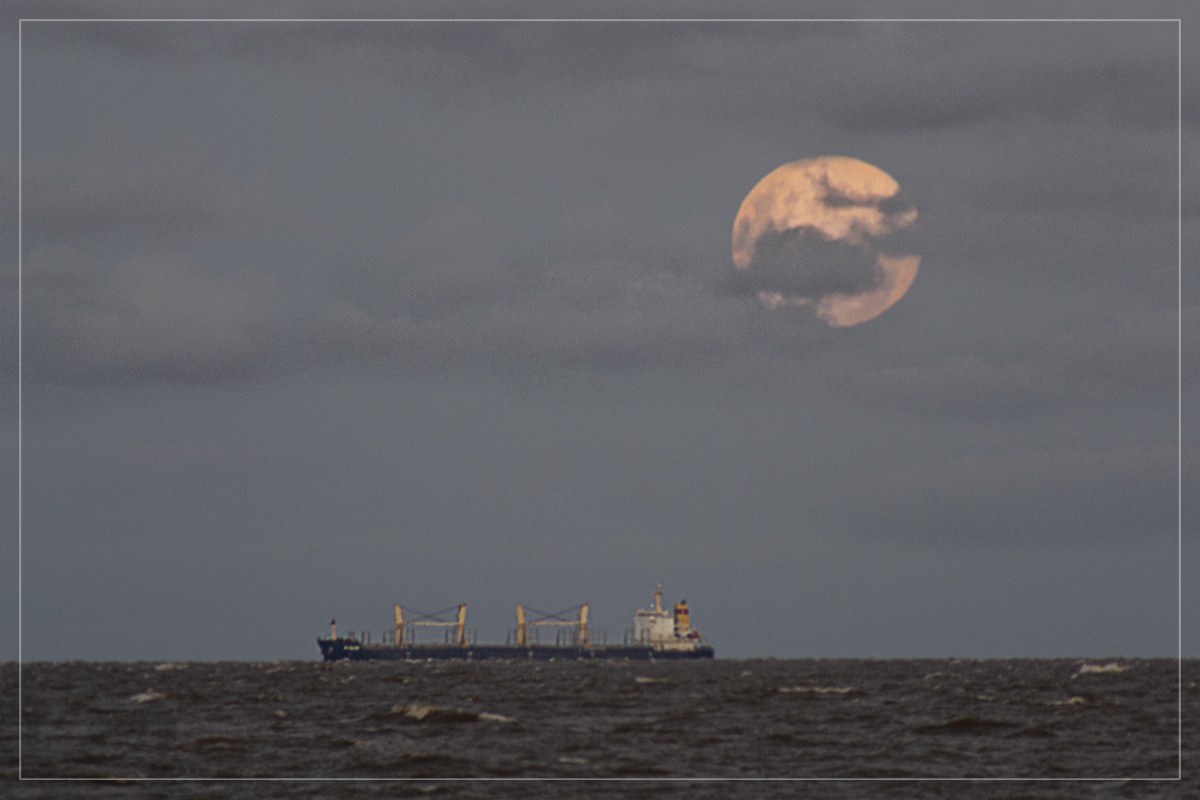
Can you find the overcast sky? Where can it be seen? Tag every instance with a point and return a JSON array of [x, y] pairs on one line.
[[319, 317]]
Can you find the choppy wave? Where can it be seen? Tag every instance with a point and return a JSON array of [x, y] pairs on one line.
[[441, 720], [964, 724]]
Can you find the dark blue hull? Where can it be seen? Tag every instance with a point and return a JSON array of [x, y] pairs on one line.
[[353, 650]]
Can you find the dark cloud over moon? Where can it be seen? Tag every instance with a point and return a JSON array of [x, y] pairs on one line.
[[803, 263]]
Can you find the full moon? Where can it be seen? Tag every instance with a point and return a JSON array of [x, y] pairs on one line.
[[834, 234]]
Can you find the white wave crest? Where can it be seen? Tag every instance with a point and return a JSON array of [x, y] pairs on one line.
[[429, 711], [817, 689], [1113, 666], [148, 696]]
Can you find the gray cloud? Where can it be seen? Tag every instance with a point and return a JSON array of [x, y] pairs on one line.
[[118, 188], [1028, 496], [153, 318], [965, 70], [1126, 360], [965, 385], [971, 80], [597, 313], [444, 300], [484, 267]]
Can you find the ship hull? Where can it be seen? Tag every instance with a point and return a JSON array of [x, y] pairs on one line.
[[352, 650]]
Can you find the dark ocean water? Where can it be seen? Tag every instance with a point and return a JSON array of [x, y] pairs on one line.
[[671, 726]]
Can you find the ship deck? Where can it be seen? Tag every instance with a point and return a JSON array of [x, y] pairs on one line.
[[353, 650]]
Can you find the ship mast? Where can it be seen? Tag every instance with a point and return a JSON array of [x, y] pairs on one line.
[[522, 639], [462, 625]]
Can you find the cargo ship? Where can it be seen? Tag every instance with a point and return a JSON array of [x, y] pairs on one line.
[[657, 634]]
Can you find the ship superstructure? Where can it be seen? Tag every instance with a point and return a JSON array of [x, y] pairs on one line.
[[660, 629]]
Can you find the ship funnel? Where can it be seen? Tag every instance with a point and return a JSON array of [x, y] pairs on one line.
[[683, 619]]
